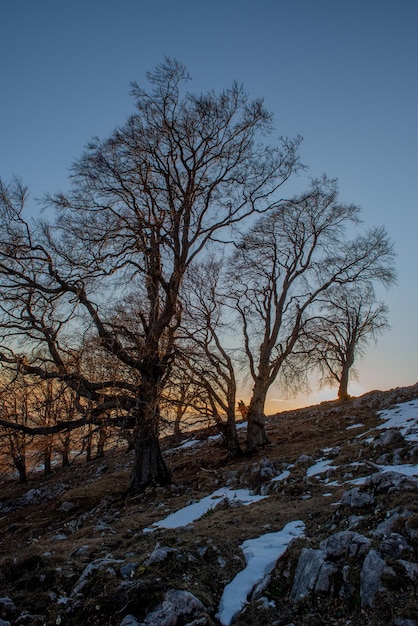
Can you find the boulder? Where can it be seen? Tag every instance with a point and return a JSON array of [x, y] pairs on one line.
[[356, 499], [392, 437], [176, 604], [391, 481], [371, 578], [345, 543]]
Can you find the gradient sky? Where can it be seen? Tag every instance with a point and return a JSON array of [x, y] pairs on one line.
[[341, 73]]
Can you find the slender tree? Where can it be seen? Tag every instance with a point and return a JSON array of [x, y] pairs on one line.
[[142, 206], [289, 259], [208, 360], [348, 318]]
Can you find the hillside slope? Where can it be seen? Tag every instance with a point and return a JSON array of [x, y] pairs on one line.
[[74, 550]]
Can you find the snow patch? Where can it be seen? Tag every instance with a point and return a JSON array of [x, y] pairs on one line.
[[194, 511], [261, 555]]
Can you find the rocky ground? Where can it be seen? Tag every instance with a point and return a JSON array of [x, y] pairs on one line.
[[73, 550]]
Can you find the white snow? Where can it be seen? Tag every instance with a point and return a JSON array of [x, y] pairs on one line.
[[188, 444], [355, 426], [404, 417], [407, 469], [320, 467], [194, 511], [285, 474], [261, 555]]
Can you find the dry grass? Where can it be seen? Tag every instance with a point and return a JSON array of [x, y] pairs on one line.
[[46, 546]]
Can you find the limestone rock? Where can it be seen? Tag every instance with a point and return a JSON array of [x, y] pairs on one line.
[[345, 543], [392, 437], [356, 499], [176, 604], [371, 578]]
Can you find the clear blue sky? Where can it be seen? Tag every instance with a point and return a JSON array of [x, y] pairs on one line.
[[342, 73]]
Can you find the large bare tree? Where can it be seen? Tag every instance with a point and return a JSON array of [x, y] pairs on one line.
[[142, 205], [289, 259]]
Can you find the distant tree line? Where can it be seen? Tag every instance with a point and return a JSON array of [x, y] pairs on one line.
[[172, 270]]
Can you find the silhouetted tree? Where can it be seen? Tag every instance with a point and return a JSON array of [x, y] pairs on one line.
[[142, 207], [289, 259], [348, 318]]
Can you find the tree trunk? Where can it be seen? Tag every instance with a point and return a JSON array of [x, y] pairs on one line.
[[343, 387], [149, 467], [65, 450], [229, 430], [256, 433], [47, 462], [101, 442], [20, 465]]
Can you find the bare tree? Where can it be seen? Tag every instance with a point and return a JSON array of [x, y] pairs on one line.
[[142, 206], [348, 318], [15, 408], [208, 360], [287, 261]]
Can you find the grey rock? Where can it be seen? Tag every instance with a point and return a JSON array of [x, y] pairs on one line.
[[395, 546], [410, 568], [176, 604], [98, 564], [7, 606], [66, 507], [391, 481], [307, 572], [354, 520], [304, 459], [371, 578], [267, 469], [356, 499], [411, 532], [392, 437], [127, 570], [160, 554], [129, 620], [401, 621], [384, 529], [345, 543]]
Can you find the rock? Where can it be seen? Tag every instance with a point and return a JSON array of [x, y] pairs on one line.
[[401, 621], [391, 481], [176, 604], [129, 620], [28, 618], [385, 528], [307, 572], [356, 499], [304, 459], [392, 437], [66, 507], [160, 554], [411, 529], [371, 578], [394, 546], [3, 623], [345, 543], [7, 606], [127, 571], [410, 568], [98, 564], [102, 469], [267, 469]]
